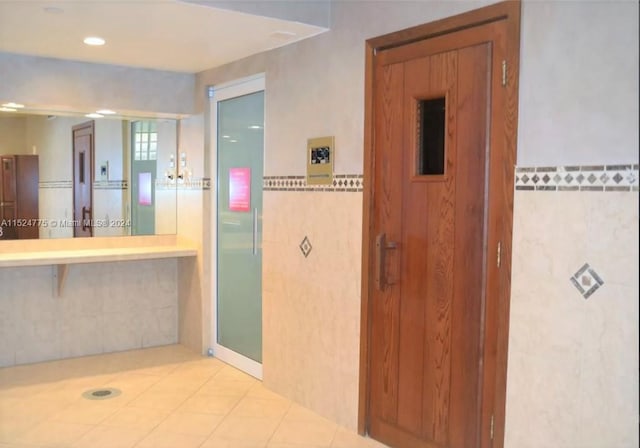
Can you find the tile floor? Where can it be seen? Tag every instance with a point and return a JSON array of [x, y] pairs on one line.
[[171, 398]]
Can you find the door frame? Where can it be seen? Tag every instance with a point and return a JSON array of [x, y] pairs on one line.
[[78, 127], [501, 208], [220, 92]]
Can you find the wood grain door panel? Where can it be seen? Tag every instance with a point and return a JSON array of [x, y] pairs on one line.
[[437, 248], [426, 326]]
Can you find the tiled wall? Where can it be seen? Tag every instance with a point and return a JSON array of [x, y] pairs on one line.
[[573, 349], [104, 307], [311, 297], [568, 52]]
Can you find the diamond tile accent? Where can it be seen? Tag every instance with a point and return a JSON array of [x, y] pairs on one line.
[[577, 178], [340, 183], [586, 281], [306, 247]]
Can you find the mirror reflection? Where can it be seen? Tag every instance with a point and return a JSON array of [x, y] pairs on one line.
[[67, 176]]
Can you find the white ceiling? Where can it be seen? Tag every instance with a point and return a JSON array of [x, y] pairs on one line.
[[158, 34]]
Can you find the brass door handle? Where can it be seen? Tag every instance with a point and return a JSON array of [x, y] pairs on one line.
[[85, 211], [381, 250]]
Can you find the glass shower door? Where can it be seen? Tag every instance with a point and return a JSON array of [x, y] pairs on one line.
[[240, 144]]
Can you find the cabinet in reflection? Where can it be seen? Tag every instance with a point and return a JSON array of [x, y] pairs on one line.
[[19, 197]]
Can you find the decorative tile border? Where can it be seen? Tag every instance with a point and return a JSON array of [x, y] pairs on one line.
[[55, 184], [111, 185], [194, 183], [578, 178], [341, 183]]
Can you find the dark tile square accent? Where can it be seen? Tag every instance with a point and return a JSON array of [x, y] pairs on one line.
[[592, 168], [586, 280], [616, 188], [618, 167]]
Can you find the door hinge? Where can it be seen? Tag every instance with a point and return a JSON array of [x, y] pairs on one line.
[[491, 428], [504, 72], [499, 253]]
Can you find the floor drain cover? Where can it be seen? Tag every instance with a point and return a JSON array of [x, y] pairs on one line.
[[101, 394]]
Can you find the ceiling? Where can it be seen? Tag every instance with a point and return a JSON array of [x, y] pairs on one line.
[[158, 34]]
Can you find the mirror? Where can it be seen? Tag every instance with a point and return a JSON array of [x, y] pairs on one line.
[[66, 176]]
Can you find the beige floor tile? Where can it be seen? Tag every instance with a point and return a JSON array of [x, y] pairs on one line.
[[17, 445], [132, 385], [24, 390], [179, 383], [229, 373], [160, 400], [292, 445], [110, 437], [90, 412], [190, 423], [54, 434], [217, 386], [247, 429], [257, 407], [170, 397], [136, 418], [161, 369], [31, 408], [349, 439], [210, 404], [259, 391], [301, 428], [206, 367], [163, 439], [217, 442], [11, 428], [297, 412]]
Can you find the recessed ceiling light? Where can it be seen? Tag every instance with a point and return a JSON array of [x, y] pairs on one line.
[[53, 10], [255, 126], [7, 109], [94, 115], [225, 136], [13, 105], [233, 141], [94, 40], [105, 112]]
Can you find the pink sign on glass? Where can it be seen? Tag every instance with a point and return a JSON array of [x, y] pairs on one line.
[[144, 188], [239, 189]]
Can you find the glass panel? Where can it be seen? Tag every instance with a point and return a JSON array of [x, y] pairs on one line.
[[431, 136], [81, 167], [240, 168]]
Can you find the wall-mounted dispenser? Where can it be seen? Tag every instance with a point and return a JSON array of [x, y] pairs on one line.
[[184, 173], [170, 173]]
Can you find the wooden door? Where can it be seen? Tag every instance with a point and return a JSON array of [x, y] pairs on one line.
[[437, 226], [83, 154], [8, 215]]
